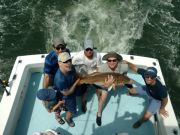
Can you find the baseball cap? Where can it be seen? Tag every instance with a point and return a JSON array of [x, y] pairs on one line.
[[58, 42], [64, 56], [152, 71], [46, 94], [88, 44]]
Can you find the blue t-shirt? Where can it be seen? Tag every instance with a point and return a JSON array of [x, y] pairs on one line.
[[157, 91], [51, 63], [63, 82]]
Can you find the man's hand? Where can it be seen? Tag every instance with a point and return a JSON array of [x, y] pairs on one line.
[[163, 112], [50, 110], [78, 81], [108, 81]]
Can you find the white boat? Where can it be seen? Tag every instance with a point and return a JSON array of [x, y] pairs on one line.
[[23, 114]]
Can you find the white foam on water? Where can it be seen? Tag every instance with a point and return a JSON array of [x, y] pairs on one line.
[[112, 26]]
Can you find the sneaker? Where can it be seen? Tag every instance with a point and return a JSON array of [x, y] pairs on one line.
[[98, 120], [137, 124], [70, 122]]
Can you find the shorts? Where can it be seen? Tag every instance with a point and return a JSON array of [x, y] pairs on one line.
[[70, 104], [81, 89], [101, 88], [154, 104]]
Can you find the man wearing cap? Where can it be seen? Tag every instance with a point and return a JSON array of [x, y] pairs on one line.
[[88, 57], [66, 82], [154, 90], [51, 62], [86, 62], [113, 64], [52, 102]]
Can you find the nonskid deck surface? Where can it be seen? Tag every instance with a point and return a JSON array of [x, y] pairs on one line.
[[119, 114]]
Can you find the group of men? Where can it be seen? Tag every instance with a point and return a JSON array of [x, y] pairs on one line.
[[60, 72]]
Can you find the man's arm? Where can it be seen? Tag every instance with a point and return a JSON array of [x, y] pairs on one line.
[[60, 103], [132, 66], [71, 89], [162, 108], [46, 81], [164, 102]]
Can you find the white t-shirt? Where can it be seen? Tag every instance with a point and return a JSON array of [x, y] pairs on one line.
[[91, 64]]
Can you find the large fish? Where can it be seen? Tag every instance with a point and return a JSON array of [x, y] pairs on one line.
[[99, 78]]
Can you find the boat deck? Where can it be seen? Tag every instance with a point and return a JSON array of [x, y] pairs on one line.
[[119, 114]]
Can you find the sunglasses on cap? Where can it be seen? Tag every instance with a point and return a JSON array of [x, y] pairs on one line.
[[114, 60], [60, 47], [68, 61], [89, 49], [149, 76]]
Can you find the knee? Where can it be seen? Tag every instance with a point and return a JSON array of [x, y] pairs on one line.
[[98, 92], [103, 96], [147, 115]]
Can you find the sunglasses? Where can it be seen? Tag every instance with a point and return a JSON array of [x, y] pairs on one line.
[[149, 76], [60, 47], [114, 60], [89, 49], [68, 61]]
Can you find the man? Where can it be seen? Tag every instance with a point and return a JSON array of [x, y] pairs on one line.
[[52, 102], [154, 90], [86, 61], [88, 57], [51, 62], [65, 82], [113, 64]]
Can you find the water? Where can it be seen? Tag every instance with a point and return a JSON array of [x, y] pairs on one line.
[[139, 27]]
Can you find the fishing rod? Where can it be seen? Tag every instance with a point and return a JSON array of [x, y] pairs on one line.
[[4, 84]]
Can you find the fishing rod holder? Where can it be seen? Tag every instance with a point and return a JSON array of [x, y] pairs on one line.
[[4, 84]]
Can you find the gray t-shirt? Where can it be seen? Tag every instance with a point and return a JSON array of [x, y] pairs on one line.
[[121, 68]]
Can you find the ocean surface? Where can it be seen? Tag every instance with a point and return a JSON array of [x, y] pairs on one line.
[[139, 27]]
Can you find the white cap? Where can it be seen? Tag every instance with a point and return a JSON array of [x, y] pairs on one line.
[[64, 56], [88, 44]]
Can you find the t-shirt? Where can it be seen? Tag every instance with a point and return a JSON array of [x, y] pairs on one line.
[[63, 82], [121, 68], [157, 91], [51, 63], [91, 64]]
